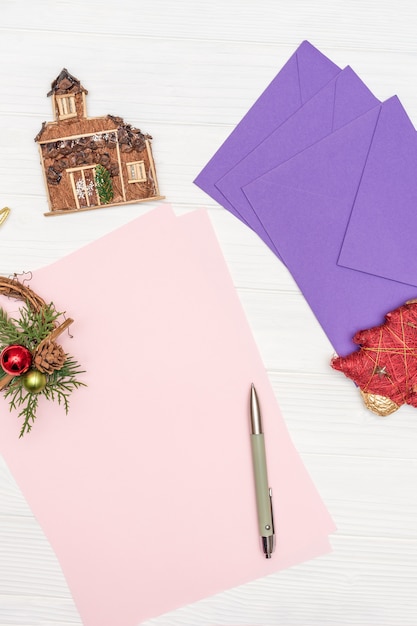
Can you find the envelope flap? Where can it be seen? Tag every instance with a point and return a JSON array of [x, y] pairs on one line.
[[381, 234], [352, 98], [314, 70], [326, 168]]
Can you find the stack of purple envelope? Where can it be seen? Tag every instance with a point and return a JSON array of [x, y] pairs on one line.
[[326, 175]]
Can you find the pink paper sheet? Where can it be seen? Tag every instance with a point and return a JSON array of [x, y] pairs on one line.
[[145, 489]]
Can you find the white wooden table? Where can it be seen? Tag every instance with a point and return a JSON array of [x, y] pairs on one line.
[[186, 72]]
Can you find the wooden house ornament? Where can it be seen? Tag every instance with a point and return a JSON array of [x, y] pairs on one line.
[[91, 162]]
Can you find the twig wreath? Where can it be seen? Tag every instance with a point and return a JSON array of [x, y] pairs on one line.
[[32, 363]]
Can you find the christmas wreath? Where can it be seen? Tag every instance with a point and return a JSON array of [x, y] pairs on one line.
[[32, 363]]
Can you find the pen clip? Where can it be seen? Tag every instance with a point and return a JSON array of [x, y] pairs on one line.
[[272, 510]]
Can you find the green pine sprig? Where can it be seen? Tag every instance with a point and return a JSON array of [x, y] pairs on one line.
[[30, 328], [23, 401], [104, 185], [62, 382], [9, 332]]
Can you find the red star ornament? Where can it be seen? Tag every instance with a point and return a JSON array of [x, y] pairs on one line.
[[385, 366]]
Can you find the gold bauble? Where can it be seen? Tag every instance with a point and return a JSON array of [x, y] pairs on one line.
[[34, 381]]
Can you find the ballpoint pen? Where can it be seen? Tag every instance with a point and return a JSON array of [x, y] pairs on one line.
[[262, 490]]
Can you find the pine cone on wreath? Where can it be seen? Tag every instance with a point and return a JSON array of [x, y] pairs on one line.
[[49, 357]]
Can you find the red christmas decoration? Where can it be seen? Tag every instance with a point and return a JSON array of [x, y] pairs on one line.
[[386, 363], [15, 360]]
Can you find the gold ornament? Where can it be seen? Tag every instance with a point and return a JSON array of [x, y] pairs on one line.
[[34, 381], [4, 214], [381, 405]]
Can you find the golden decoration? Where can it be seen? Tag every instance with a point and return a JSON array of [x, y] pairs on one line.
[[4, 214], [381, 405]]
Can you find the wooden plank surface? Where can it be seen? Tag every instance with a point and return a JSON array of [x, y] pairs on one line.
[[186, 72]]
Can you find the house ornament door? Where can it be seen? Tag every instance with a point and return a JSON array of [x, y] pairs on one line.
[[84, 186]]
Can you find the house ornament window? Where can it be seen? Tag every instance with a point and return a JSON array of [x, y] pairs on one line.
[[136, 172], [66, 106]]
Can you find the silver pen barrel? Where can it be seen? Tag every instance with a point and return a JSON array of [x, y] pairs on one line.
[[262, 490]]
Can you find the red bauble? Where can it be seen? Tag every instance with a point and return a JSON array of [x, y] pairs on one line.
[[15, 360]]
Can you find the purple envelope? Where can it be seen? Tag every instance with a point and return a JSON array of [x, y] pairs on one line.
[[304, 74], [343, 99], [305, 205], [381, 237]]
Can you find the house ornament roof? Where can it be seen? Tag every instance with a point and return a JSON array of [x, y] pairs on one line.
[[66, 83]]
